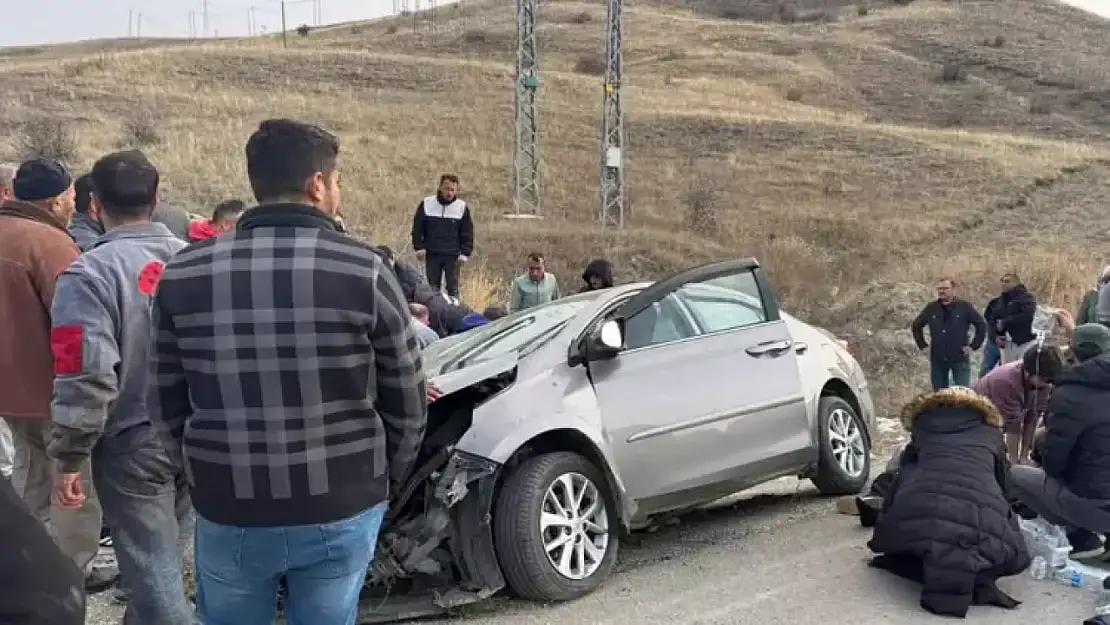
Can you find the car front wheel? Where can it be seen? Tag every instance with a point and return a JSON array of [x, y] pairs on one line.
[[555, 528], [844, 450]]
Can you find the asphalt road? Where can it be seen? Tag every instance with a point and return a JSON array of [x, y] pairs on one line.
[[779, 555]]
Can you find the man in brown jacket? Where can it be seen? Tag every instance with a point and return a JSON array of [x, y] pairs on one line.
[[34, 248]]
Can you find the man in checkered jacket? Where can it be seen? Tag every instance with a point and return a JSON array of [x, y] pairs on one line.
[[289, 384]]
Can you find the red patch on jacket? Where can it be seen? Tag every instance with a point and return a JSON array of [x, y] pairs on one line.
[[67, 344], [150, 276], [202, 229]]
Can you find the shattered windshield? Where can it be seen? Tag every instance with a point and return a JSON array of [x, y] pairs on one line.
[[520, 333]]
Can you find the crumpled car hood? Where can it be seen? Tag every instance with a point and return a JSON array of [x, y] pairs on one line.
[[461, 378]]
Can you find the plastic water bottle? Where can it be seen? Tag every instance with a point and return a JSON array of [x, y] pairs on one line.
[[1039, 568]]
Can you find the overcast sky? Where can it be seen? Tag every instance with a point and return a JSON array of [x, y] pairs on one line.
[[52, 21], [29, 22]]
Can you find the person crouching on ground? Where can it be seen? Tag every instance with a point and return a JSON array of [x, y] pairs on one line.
[[946, 521], [1020, 390], [223, 220], [1072, 487]]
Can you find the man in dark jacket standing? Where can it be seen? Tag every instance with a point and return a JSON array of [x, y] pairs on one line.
[[992, 353], [1072, 487], [1014, 323], [443, 234], [288, 381], [949, 320]]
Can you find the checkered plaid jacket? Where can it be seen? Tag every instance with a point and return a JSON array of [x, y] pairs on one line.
[[286, 378]]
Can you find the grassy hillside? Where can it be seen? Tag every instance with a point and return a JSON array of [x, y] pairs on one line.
[[858, 150]]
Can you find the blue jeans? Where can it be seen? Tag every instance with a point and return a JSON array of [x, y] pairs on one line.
[[238, 569], [147, 509], [991, 357], [960, 374]]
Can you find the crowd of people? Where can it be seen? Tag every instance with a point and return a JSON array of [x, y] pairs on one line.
[[1029, 438], [253, 380]]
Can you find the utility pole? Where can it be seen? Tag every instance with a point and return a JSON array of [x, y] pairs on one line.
[[284, 38], [192, 24], [526, 151], [250, 21], [204, 16], [130, 23], [139, 27], [432, 16], [612, 120]]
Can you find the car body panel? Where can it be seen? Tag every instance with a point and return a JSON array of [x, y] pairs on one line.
[[690, 454]]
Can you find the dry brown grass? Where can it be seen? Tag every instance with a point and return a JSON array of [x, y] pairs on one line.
[[833, 152]]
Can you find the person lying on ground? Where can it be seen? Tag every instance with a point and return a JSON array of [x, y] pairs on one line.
[[224, 218], [598, 275], [39, 585], [101, 341], [1072, 486], [946, 521], [446, 315]]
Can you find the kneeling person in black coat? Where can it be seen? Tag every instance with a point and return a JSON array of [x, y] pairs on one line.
[[946, 521]]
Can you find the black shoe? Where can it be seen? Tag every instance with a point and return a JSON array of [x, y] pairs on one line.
[[100, 579], [869, 509], [105, 537], [1085, 545]]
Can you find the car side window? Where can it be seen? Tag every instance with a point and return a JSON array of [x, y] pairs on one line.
[[662, 322], [724, 302]]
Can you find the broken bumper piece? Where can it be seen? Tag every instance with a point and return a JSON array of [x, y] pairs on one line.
[[442, 556]]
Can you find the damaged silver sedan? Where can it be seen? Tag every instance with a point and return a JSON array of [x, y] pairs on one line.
[[567, 425]]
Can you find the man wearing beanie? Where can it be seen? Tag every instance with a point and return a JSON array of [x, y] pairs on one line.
[[1072, 486], [101, 318], [34, 248]]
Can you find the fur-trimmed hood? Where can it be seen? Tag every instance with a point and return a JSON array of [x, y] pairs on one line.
[[951, 398]]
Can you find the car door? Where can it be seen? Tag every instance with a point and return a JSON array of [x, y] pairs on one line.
[[706, 392]]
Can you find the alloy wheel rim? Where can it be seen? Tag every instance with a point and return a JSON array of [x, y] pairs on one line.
[[846, 441], [574, 526]]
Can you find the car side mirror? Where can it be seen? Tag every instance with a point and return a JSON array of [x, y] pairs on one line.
[[604, 341]]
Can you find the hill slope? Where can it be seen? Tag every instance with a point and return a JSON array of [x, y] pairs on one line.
[[835, 151]]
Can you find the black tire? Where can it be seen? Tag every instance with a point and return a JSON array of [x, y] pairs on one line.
[[516, 535], [830, 478]]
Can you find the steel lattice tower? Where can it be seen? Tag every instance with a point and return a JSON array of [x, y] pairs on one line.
[[526, 157], [612, 120]]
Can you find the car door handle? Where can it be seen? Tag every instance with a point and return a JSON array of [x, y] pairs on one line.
[[770, 348], [800, 347]]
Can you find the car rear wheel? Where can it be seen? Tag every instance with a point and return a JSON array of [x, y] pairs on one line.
[[555, 528], [844, 450]]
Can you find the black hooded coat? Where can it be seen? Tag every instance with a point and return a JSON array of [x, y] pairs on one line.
[[599, 268], [946, 521]]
